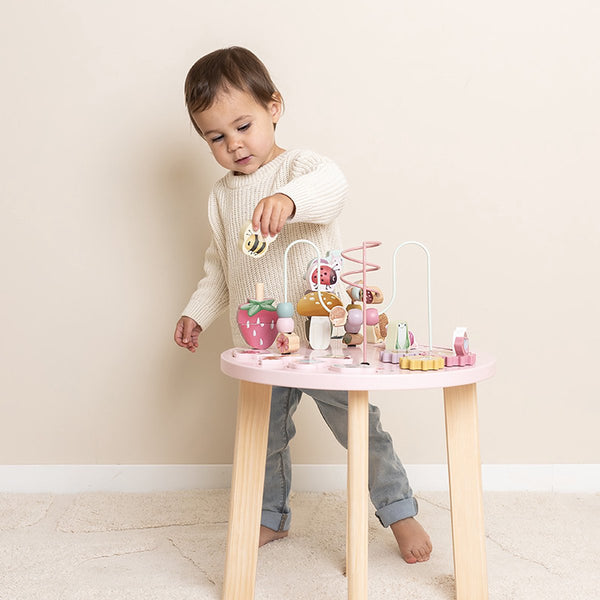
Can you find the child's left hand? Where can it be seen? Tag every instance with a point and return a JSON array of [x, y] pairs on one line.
[[271, 213]]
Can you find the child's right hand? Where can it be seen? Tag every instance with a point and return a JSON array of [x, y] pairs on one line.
[[186, 333], [271, 213]]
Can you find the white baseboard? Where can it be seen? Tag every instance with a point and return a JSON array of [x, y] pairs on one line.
[[71, 479]]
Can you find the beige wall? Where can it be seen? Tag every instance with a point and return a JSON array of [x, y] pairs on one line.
[[470, 126]]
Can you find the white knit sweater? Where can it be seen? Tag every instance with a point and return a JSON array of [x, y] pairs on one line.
[[318, 189]]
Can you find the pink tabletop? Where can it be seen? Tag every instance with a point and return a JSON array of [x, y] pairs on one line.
[[317, 369]]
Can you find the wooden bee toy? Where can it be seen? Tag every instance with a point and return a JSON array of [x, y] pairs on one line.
[[252, 242]]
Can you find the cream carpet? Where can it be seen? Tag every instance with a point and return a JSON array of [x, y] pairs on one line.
[[171, 546]]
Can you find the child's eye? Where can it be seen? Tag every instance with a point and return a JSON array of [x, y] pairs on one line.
[[217, 138], [244, 127]]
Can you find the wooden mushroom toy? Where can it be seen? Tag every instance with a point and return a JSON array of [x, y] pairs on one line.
[[319, 329]]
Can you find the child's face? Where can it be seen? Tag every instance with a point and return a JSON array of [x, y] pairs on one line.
[[240, 131]]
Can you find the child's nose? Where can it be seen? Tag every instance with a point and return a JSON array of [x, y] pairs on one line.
[[235, 142]]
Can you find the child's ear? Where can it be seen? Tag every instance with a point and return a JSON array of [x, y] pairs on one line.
[[276, 107]]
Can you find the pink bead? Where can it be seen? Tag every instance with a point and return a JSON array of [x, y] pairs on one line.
[[354, 320], [285, 324], [372, 316]]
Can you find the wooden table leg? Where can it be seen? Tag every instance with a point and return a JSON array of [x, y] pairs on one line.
[[358, 495], [466, 499], [249, 456]]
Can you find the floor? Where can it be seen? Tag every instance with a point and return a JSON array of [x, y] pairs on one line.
[[172, 546]]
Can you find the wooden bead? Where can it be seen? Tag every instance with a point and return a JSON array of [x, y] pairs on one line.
[[372, 316], [287, 343], [352, 339], [285, 324], [354, 320], [285, 309], [338, 316]]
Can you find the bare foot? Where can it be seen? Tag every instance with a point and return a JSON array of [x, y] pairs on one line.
[[413, 541], [269, 535]]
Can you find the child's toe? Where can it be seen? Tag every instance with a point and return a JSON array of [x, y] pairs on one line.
[[420, 555]]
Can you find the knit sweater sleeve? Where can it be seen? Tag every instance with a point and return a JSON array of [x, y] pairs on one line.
[[212, 295], [317, 187]]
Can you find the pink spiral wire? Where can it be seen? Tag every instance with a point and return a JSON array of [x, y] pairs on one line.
[[367, 267]]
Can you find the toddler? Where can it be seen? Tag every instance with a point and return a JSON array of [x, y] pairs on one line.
[[294, 194]]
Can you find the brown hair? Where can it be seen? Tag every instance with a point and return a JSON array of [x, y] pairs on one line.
[[216, 72]]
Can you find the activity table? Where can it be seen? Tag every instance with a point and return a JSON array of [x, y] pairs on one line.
[[462, 444]]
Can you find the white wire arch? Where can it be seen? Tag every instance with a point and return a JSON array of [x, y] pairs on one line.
[[424, 248], [285, 271]]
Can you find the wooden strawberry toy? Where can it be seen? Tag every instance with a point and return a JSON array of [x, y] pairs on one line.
[[257, 320]]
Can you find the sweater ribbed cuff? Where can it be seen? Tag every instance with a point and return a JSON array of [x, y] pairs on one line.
[[203, 315]]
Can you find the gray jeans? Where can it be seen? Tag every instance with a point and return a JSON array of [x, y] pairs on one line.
[[388, 484]]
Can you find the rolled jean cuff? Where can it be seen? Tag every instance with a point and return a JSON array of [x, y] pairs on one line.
[[396, 511], [276, 521]]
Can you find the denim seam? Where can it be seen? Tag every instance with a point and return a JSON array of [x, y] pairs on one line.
[[284, 483]]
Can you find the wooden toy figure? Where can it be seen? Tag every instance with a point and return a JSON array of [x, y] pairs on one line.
[[252, 242], [377, 333], [328, 274], [338, 317], [399, 337], [463, 356]]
